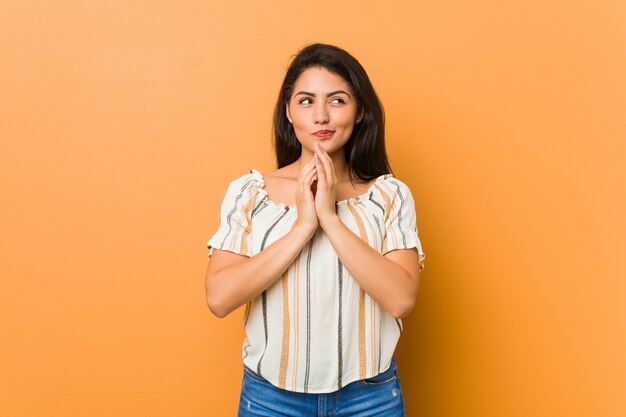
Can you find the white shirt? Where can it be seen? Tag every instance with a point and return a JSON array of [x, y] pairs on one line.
[[315, 330]]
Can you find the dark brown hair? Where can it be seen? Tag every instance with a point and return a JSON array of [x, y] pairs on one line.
[[365, 150]]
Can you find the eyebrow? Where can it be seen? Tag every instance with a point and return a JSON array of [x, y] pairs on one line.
[[306, 93]]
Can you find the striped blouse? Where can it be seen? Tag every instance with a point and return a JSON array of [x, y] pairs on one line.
[[315, 330]]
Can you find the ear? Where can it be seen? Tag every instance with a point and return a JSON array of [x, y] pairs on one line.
[[287, 112], [360, 115]]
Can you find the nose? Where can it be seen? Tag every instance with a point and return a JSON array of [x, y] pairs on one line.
[[320, 114]]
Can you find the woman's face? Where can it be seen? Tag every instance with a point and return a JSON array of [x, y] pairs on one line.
[[322, 108]]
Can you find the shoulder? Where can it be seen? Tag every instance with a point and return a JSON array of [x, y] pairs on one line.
[[392, 186], [247, 178], [288, 171], [244, 183], [280, 181]]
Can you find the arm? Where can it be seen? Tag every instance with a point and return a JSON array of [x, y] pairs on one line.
[[392, 280], [233, 279]]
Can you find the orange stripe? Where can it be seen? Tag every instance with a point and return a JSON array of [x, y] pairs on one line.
[[359, 223], [388, 213], [371, 226], [387, 200], [372, 333], [284, 355], [244, 240], [377, 337], [295, 324], [245, 315], [362, 364], [385, 195], [362, 346]]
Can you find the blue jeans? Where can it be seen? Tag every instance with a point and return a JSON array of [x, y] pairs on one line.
[[379, 396]]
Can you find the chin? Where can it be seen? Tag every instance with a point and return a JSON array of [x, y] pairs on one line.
[[326, 146]]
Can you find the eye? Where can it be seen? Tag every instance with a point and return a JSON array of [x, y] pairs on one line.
[[338, 100], [305, 100]]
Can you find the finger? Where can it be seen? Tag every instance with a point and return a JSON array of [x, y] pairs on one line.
[[306, 179], [321, 173], [326, 165], [307, 168], [322, 154]]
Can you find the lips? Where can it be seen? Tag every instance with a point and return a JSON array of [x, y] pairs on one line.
[[324, 134]]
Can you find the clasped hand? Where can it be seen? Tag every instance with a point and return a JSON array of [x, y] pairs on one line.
[[317, 190]]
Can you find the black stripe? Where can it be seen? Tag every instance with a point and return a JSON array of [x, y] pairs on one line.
[[267, 234], [380, 230], [339, 330], [399, 326], [264, 293], [254, 210], [261, 209], [380, 341], [230, 226], [377, 203], [400, 212], [308, 317], [264, 299]]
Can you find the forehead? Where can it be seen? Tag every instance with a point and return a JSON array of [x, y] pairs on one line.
[[317, 79]]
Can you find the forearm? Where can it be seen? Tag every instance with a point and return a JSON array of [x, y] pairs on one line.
[[388, 283], [236, 284]]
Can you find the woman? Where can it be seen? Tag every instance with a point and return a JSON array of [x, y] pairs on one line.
[[324, 251]]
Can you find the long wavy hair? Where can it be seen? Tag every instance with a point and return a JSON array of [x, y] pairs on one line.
[[365, 151]]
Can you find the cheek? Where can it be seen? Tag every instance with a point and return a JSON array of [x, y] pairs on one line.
[[347, 120], [297, 117], [347, 115], [298, 126]]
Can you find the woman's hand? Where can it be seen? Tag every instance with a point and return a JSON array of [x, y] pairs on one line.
[[305, 199], [325, 197]]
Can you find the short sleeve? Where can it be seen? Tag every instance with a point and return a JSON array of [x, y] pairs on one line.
[[400, 222], [234, 232]]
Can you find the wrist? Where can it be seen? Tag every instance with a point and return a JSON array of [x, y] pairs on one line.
[[301, 232], [329, 222]]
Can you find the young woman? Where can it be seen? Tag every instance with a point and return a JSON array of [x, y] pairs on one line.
[[324, 251]]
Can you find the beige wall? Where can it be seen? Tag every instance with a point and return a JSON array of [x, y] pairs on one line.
[[123, 122]]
